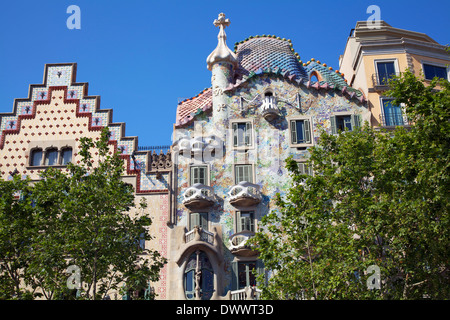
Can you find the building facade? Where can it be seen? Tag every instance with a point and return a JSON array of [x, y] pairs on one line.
[[44, 130], [230, 144], [373, 54]]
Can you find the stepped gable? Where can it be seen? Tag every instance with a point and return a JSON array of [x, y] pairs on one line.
[[61, 109]]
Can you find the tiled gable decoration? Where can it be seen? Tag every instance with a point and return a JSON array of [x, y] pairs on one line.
[[61, 109]]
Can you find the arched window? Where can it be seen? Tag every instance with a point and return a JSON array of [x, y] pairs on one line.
[[51, 157], [198, 277], [36, 157], [66, 156]]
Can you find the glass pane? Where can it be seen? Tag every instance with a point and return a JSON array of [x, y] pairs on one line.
[[207, 284], [241, 134], [434, 71], [344, 122], [51, 156], [242, 275], [66, 156], [36, 158], [300, 129], [251, 276], [392, 114], [385, 71]]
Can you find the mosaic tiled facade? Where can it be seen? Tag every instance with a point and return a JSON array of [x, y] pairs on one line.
[[262, 86]]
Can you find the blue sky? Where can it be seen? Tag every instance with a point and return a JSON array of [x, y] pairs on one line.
[[141, 57]]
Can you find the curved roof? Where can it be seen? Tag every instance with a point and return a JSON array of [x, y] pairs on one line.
[[268, 52]]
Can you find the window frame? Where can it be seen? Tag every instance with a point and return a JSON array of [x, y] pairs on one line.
[[402, 109], [396, 68], [434, 64], [47, 159], [202, 217], [355, 120], [32, 152], [61, 155], [251, 136], [239, 223], [311, 131], [191, 177], [252, 172]]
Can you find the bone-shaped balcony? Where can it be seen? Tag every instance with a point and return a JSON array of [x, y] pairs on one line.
[[269, 109], [198, 196], [245, 194], [238, 244]]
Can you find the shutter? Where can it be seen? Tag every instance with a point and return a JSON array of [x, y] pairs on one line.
[[293, 132], [307, 131], [202, 175], [193, 175], [195, 220], [248, 134], [238, 222], [252, 221], [247, 173], [235, 134], [234, 275], [333, 125], [203, 220], [356, 121], [260, 270]]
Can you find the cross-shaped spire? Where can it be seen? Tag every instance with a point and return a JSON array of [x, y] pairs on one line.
[[222, 53]]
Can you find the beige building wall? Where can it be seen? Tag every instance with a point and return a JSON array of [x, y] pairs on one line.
[[407, 49]]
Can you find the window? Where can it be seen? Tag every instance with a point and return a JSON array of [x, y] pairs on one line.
[[198, 219], [392, 114], [51, 157], [300, 131], [245, 221], [36, 157], [432, 71], [66, 156], [242, 134], [385, 71], [344, 122], [199, 175], [304, 168], [246, 277], [205, 278], [243, 172]]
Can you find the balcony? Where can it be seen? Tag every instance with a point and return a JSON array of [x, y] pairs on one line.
[[199, 234], [245, 194], [393, 120], [269, 109], [198, 196], [238, 244], [380, 82], [248, 293]]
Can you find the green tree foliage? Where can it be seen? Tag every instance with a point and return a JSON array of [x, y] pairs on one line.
[[375, 199], [82, 218]]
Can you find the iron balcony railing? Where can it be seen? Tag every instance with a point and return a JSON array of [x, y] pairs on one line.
[[383, 80], [393, 120], [157, 149]]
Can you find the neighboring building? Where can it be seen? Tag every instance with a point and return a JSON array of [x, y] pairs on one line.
[[44, 129], [373, 55], [230, 143]]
